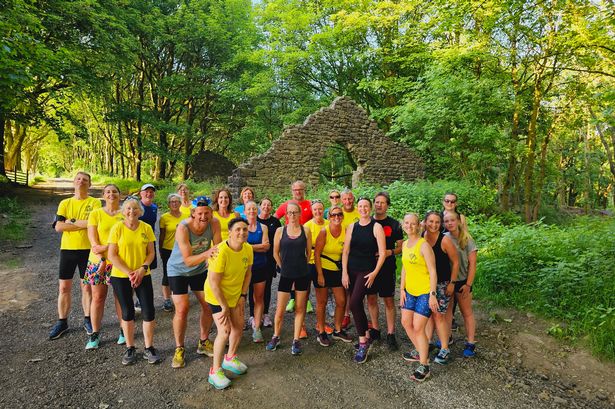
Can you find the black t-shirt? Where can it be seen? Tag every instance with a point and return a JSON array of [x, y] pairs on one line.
[[392, 233]]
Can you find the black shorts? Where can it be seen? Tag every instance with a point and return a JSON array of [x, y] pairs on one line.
[[301, 283], [145, 293], [179, 285], [71, 259], [332, 278], [384, 285], [460, 284], [260, 274], [215, 308]]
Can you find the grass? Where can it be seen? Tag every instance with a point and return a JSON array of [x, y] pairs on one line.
[[13, 219]]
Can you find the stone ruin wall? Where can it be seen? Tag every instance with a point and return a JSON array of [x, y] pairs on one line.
[[298, 152]]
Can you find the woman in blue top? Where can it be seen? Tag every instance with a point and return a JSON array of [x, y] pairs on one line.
[[258, 237]]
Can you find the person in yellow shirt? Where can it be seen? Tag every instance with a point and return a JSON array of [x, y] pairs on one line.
[[168, 225], [226, 291], [131, 251], [223, 210], [417, 293], [98, 271], [186, 203], [72, 222]]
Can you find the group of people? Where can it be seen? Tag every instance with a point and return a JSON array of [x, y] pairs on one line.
[[226, 255]]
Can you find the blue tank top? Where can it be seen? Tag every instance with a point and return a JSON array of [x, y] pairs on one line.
[[256, 237], [199, 243]]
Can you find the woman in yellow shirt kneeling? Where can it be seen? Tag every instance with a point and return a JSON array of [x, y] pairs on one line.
[[226, 290]]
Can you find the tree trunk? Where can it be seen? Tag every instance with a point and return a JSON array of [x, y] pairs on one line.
[[528, 185]]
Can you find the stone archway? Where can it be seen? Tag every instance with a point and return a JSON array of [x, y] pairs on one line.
[[298, 152]]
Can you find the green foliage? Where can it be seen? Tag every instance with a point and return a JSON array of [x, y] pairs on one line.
[[566, 273], [13, 219]]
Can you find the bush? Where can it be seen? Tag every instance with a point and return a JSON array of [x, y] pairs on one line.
[[563, 272], [13, 219]]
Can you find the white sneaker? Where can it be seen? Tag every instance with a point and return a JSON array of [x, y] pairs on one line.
[[267, 322]]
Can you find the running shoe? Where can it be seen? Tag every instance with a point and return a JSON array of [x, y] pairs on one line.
[[438, 344], [234, 365], [323, 339], [205, 348], [267, 323], [303, 334], [218, 379], [296, 348], [130, 356], [93, 341], [257, 336], [361, 355], [374, 334], [290, 307], [87, 325], [421, 373], [442, 357], [137, 306], [412, 356], [346, 322], [178, 358], [121, 340], [273, 344], [150, 354], [342, 336], [469, 350], [392, 342], [58, 329], [454, 325], [309, 308], [368, 341], [167, 305]]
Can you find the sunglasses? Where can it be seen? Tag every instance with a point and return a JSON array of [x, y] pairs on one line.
[[450, 201], [334, 197], [292, 213], [336, 214]]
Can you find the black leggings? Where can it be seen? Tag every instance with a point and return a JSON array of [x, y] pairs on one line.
[[145, 293], [358, 290], [164, 255]]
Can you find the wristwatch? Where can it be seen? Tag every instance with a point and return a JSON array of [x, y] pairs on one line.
[[73, 220], [145, 266], [244, 295], [433, 293]]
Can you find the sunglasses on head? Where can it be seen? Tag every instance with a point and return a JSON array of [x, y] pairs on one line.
[[314, 201]]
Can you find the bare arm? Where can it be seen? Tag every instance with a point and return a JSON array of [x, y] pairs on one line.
[[308, 242], [62, 226], [472, 267], [215, 226], [321, 240], [430, 260], [345, 253], [449, 248], [97, 248], [115, 259], [183, 242], [402, 287], [276, 246], [397, 249]]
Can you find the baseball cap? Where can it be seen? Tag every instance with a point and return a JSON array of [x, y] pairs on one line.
[[201, 201], [148, 186]]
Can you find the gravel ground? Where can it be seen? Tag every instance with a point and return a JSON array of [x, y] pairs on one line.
[[510, 369]]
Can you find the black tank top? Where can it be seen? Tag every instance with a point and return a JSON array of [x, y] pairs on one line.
[[292, 253], [363, 248], [443, 264]]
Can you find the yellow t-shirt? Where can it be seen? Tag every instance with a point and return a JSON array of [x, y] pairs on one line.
[[417, 275], [233, 266], [103, 222], [315, 229], [169, 223], [131, 246], [332, 249], [80, 210], [224, 223], [350, 217], [186, 211]]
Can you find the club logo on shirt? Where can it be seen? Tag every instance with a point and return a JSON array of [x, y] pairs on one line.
[[387, 231], [245, 261], [144, 237]]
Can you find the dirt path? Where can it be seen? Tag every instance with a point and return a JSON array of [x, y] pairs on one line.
[[517, 366]]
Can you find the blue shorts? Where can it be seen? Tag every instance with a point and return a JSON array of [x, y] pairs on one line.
[[419, 304]]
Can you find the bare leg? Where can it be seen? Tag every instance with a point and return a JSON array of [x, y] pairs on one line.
[[182, 306], [86, 298], [420, 339], [279, 312], [64, 298], [300, 306], [224, 331], [205, 320], [148, 333], [391, 314], [465, 305], [99, 295], [321, 305], [340, 306], [259, 303]]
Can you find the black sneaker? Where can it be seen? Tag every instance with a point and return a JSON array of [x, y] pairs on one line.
[[58, 329], [421, 373], [151, 355], [130, 356], [323, 339], [392, 342], [412, 356], [374, 334], [342, 336]]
